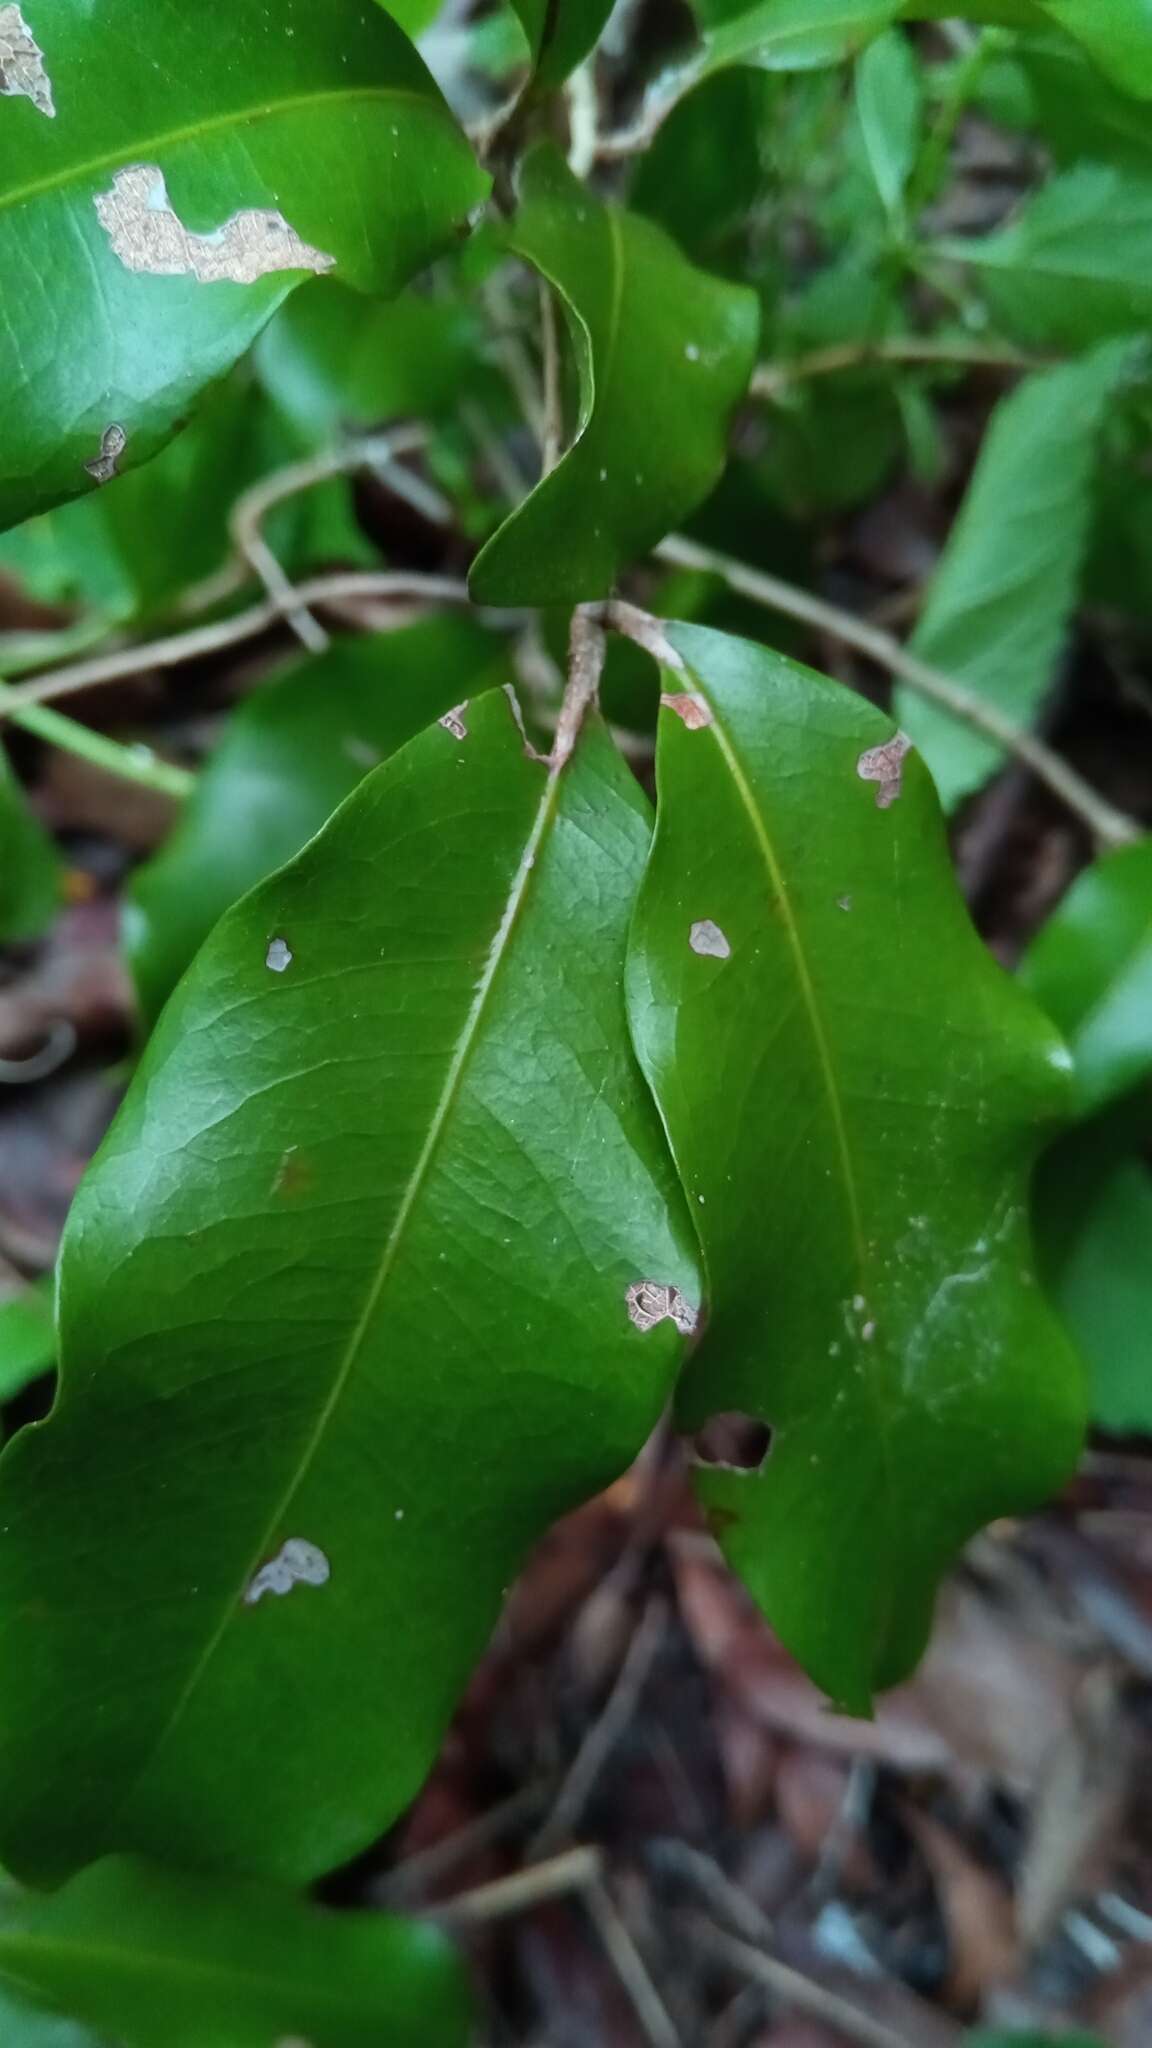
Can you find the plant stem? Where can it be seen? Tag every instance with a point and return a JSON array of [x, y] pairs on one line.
[[131, 764], [773, 380], [1110, 826]]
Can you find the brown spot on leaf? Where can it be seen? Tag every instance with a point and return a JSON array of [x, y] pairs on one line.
[[884, 765], [708, 939], [652, 1301], [148, 236], [22, 73], [693, 710], [454, 721], [293, 1175], [106, 465]]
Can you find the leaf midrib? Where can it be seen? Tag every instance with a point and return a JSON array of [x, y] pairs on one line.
[[469, 1036], [82, 173]]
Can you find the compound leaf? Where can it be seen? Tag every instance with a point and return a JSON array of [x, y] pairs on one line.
[[356, 1298], [162, 1959], [999, 604], [853, 1092], [663, 353], [1074, 266], [164, 183], [290, 754]]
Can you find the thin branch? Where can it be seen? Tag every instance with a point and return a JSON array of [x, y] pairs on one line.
[[132, 764], [773, 380], [663, 95], [630, 1967], [585, 667], [605, 1732], [1110, 826], [199, 641], [793, 1988], [246, 521], [571, 1872]]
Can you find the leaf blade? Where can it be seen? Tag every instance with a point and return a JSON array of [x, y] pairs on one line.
[[843, 1294]]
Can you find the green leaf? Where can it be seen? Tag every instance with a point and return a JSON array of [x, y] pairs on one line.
[[561, 33], [1075, 265], [351, 1275], [1117, 33], [1005, 2037], [798, 35], [663, 354], [853, 1092], [162, 1959], [1091, 968], [25, 2026], [29, 878], [244, 116], [999, 604], [293, 751], [889, 105], [702, 194], [27, 1339], [1076, 110], [1093, 1211]]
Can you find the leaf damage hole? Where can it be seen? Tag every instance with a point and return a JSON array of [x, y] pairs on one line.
[[734, 1442], [884, 765], [22, 73], [707, 939], [106, 465], [695, 714], [297, 1563], [652, 1301], [279, 956], [148, 236], [455, 722]]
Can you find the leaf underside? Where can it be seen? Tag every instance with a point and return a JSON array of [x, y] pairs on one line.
[[853, 1092]]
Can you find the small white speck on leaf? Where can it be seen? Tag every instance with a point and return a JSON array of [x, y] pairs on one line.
[[399, 1515], [692, 353], [884, 765], [694, 712], [843, 903], [708, 939], [652, 1301], [859, 1304], [868, 1332], [454, 721], [297, 1563], [148, 236], [22, 73], [106, 465], [279, 956]]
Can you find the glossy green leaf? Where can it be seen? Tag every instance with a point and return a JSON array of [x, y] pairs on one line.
[[29, 883], [663, 354], [705, 170], [798, 35], [26, 2026], [293, 751], [346, 1315], [164, 183], [1093, 1210], [998, 607], [1075, 265], [1078, 111], [561, 33], [1116, 33], [889, 106], [1091, 968], [27, 1339], [162, 1959], [853, 1092]]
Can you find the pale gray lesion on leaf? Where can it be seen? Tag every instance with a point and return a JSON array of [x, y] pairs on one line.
[[884, 765], [297, 1563], [693, 711], [106, 465], [707, 939], [22, 73], [279, 956], [455, 722], [652, 1301], [148, 236]]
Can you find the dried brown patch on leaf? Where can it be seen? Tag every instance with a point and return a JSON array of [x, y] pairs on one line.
[[22, 73], [694, 712], [148, 236], [455, 722], [651, 1302], [106, 465], [884, 765]]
